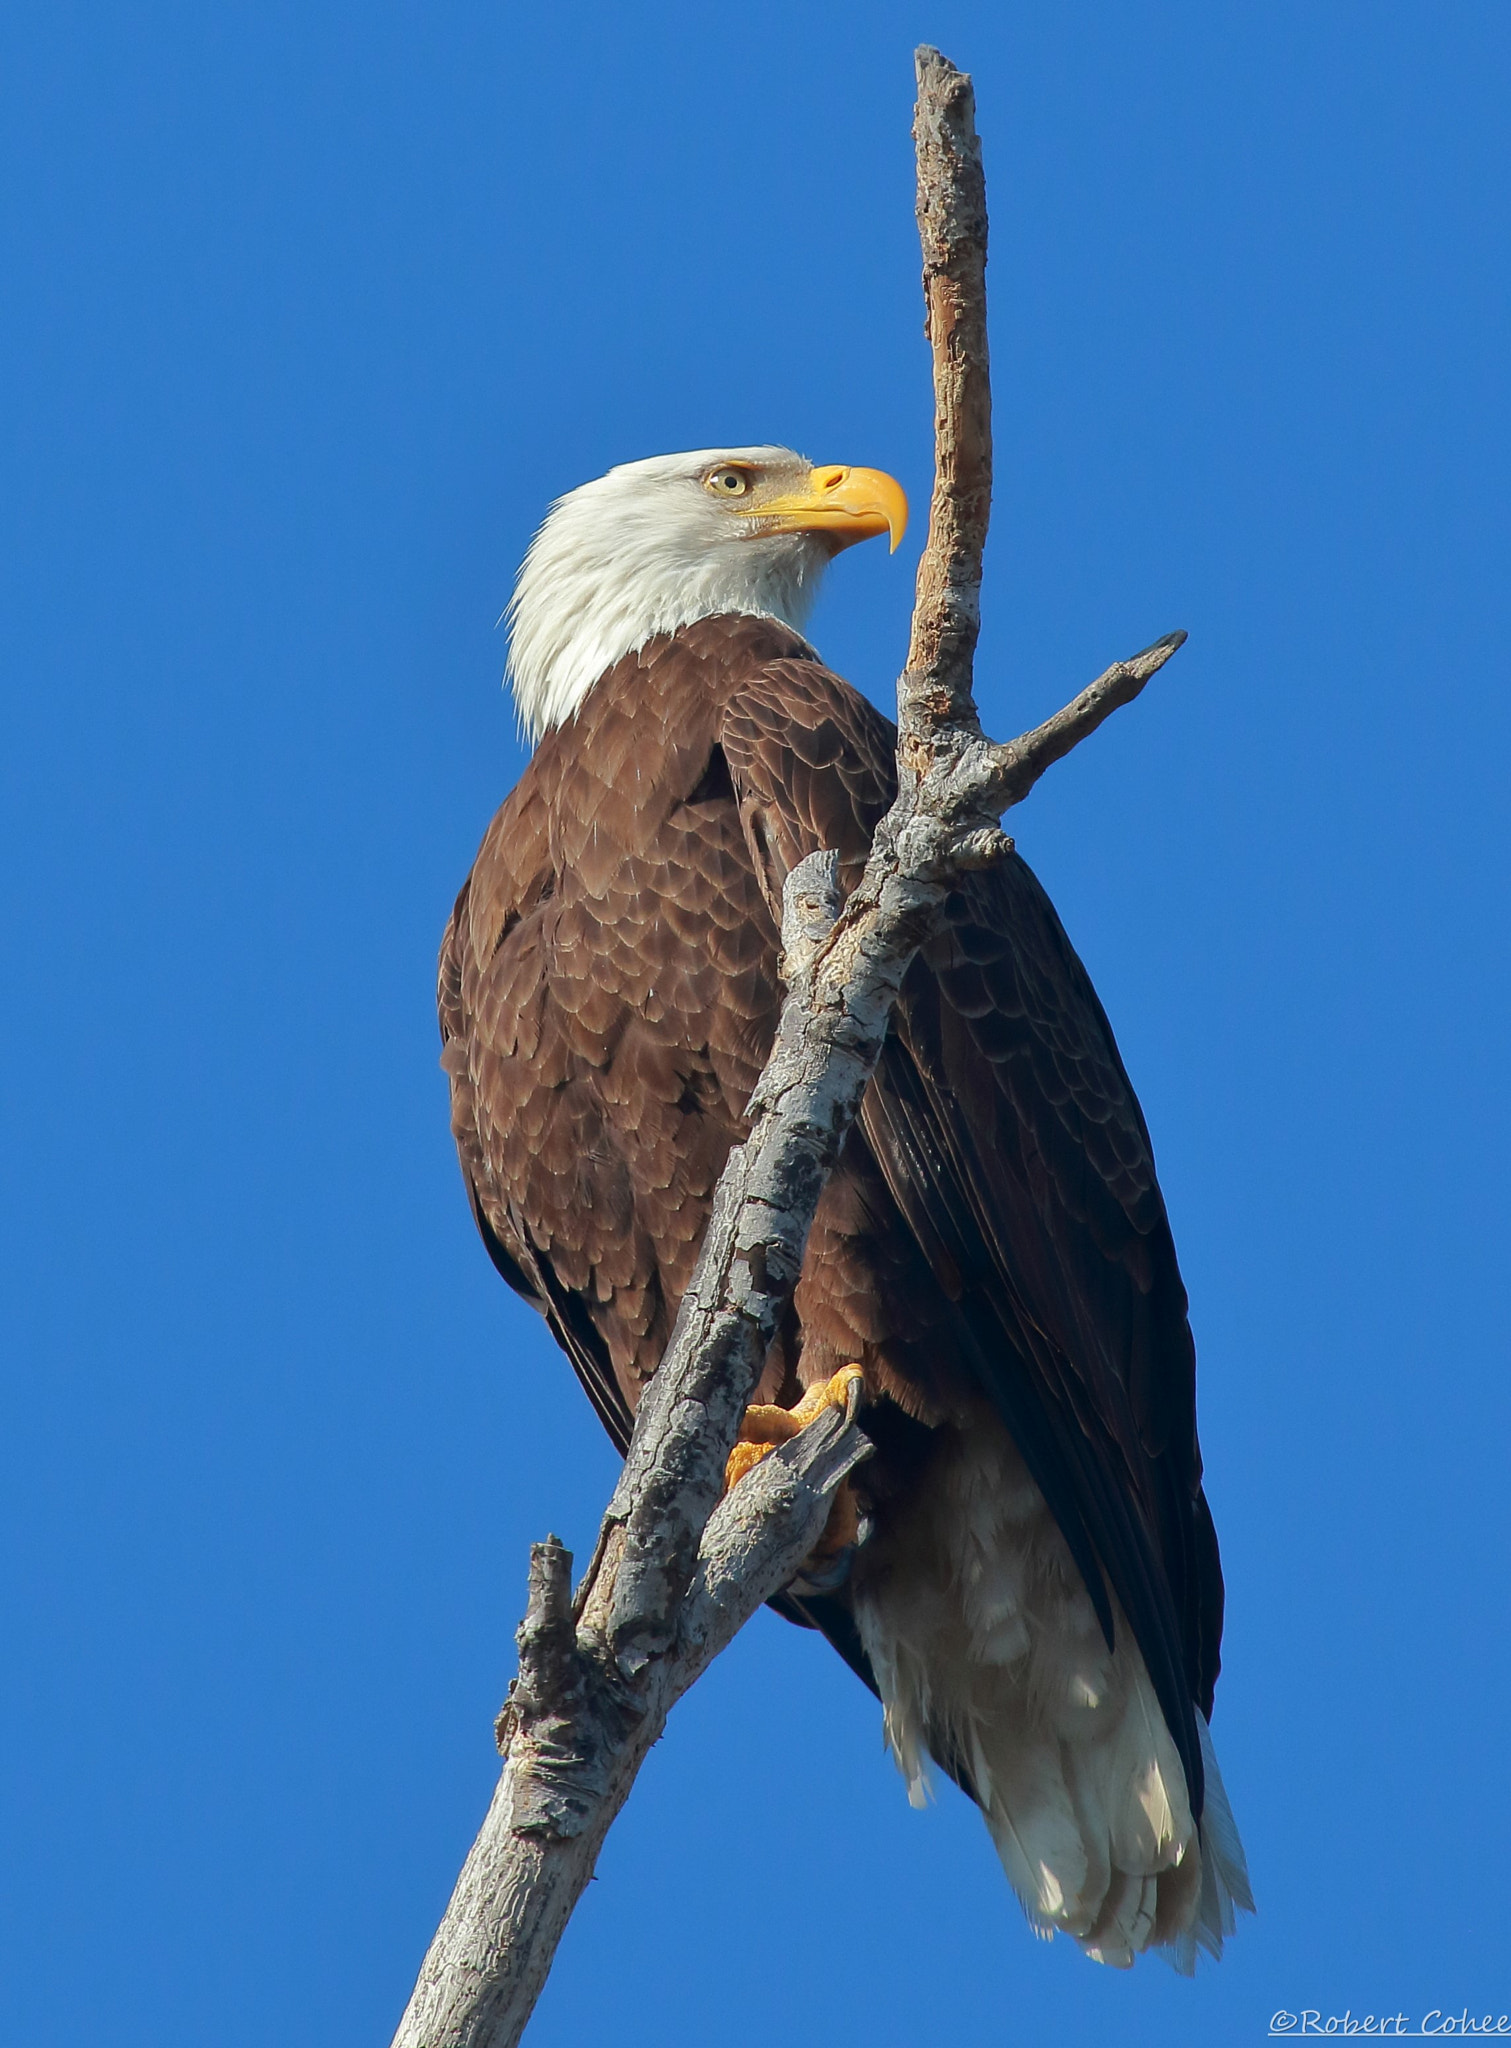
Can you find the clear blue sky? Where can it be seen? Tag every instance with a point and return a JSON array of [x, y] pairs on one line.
[[308, 312]]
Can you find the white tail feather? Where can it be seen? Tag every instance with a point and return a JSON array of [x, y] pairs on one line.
[[987, 1650]]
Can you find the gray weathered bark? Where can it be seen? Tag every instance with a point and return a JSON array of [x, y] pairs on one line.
[[677, 1570]]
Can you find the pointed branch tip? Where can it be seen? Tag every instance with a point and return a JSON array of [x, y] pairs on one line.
[[1152, 658]]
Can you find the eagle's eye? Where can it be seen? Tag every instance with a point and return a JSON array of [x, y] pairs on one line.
[[727, 483]]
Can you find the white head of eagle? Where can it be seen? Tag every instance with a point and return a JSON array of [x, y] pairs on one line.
[[655, 545]]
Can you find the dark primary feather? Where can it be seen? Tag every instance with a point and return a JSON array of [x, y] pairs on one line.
[[994, 1230]]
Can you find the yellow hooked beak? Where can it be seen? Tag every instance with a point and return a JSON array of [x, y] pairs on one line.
[[843, 504]]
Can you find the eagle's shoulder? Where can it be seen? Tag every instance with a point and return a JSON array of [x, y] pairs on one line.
[[813, 764]]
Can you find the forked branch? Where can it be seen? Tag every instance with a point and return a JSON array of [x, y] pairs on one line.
[[677, 1570]]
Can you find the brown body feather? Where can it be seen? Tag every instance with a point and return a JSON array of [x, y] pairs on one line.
[[994, 1235]]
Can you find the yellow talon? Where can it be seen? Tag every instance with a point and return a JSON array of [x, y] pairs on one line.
[[742, 1459], [843, 1391], [766, 1425]]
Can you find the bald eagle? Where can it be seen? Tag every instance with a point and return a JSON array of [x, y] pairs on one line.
[[1033, 1588]]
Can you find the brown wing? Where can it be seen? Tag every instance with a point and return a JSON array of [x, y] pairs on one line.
[[490, 996], [608, 996], [1010, 1139]]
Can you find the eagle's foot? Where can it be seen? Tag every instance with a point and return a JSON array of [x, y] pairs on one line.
[[845, 1391], [766, 1425]]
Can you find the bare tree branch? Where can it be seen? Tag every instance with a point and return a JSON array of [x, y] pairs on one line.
[[951, 210], [574, 1741], [677, 1570]]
